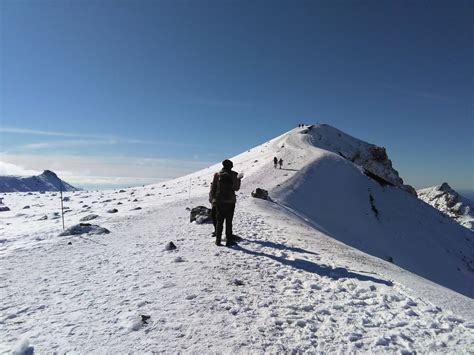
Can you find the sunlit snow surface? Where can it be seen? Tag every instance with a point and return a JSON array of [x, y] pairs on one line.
[[294, 283]]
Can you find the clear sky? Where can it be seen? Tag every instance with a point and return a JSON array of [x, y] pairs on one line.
[[130, 92]]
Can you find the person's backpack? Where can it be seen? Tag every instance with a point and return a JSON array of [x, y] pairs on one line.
[[225, 187]]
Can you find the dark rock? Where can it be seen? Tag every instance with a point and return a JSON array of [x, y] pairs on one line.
[[170, 246], [378, 153], [145, 318], [260, 193], [84, 228], [201, 215], [4, 209], [380, 180], [26, 207], [113, 210], [136, 208], [70, 243], [121, 191]]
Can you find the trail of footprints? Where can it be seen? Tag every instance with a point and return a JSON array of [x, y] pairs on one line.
[[361, 314]]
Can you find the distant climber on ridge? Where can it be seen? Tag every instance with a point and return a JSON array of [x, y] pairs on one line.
[[222, 194], [275, 162], [280, 162]]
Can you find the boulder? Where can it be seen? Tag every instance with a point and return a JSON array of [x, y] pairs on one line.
[[201, 215], [4, 208], [170, 246], [84, 228], [113, 210], [260, 193]]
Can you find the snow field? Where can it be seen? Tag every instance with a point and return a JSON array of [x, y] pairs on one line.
[[288, 286]]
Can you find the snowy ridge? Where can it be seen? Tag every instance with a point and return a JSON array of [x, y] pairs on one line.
[[449, 202], [47, 181], [295, 283]]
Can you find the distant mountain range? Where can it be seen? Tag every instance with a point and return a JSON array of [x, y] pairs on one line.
[[450, 202], [47, 181]]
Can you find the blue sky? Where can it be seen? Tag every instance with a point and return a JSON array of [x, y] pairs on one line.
[[131, 92]]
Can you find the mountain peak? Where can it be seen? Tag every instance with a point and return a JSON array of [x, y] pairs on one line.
[[444, 198], [47, 181], [49, 173]]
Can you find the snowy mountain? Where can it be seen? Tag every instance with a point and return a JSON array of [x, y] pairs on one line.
[[343, 258], [449, 202], [47, 181]]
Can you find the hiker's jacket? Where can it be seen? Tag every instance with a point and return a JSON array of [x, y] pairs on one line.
[[223, 187]]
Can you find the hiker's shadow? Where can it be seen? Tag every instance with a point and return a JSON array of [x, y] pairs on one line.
[[322, 270], [279, 246]]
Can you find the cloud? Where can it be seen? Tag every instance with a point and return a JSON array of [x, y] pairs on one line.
[[101, 171], [51, 133], [13, 169], [422, 94], [65, 144], [87, 139]]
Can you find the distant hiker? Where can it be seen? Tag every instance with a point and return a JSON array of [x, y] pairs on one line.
[[280, 162], [222, 194], [275, 162], [213, 212]]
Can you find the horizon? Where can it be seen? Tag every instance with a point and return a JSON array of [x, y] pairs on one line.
[[112, 94]]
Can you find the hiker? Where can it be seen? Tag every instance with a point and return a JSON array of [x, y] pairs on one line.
[[275, 162], [222, 194], [213, 212], [280, 162]]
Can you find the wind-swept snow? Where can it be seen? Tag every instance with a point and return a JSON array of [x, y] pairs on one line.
[[294, 283]]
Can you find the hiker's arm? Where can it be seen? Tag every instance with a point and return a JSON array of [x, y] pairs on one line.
[[236, 182], [212, 193]]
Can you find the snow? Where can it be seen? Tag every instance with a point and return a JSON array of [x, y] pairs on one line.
[[450, 203], [308, 276]]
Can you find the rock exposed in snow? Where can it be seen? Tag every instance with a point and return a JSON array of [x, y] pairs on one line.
[[113, 210], [170, 246], [89, 217], [260, 193], [47, 181], [200, 214], [449, 202], [84, 228], [4, 208], [23, 348]]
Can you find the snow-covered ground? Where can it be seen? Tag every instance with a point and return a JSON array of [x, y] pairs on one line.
[[294, 283]]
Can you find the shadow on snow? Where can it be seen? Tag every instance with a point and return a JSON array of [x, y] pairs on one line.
[[309, 266]]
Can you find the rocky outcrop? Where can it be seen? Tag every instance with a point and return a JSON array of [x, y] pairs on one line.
[[200, 214]]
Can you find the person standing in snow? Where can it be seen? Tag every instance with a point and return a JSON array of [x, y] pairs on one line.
[[280, 162], [222, 194], [275, 162]]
